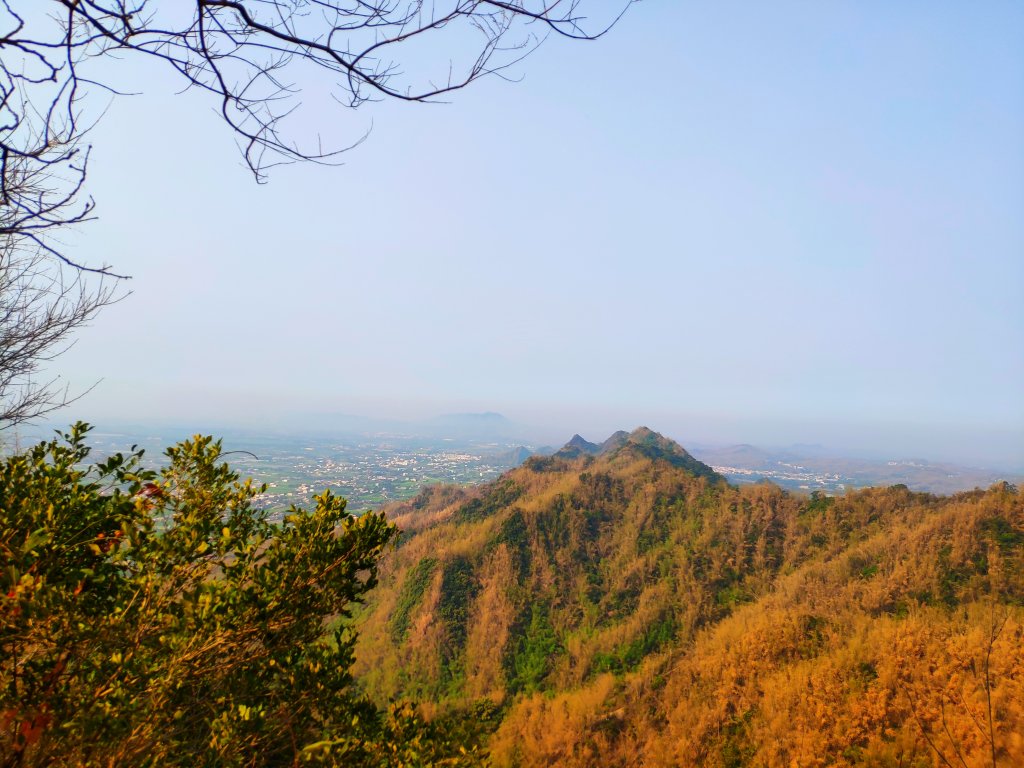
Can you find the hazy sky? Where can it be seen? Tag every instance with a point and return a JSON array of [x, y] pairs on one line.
[[763, 222]]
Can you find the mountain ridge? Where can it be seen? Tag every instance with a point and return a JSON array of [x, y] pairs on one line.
[[590, 610], [642, 441]]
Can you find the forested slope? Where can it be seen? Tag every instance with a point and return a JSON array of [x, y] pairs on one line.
[[623, 605]]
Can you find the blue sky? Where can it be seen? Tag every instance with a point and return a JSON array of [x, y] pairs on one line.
[[732, 222]]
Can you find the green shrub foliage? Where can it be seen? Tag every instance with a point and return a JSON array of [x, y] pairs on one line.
[[161, 619]]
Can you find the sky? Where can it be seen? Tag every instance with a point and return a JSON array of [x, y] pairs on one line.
[[732, 222]]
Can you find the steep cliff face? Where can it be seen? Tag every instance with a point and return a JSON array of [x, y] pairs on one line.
[[621, 604]]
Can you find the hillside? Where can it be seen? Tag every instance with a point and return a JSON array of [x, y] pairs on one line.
[[622, 604]]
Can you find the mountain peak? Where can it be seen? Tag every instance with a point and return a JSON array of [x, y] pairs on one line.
[[578, 446], [645, 442], [616, 441], [641, 442], [648, 437]]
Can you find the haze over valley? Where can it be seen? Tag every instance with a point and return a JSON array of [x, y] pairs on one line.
[[373, 462]]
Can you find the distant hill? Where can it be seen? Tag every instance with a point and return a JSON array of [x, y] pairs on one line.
[[477, 426], [516, 456], [577, 447], [484, 426], [488, 419], [621, 604], [746, 456]]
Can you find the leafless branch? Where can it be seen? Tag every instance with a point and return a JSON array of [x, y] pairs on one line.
[[249, 54], [253, 57], [44, 297]]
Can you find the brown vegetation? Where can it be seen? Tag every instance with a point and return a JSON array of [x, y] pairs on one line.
[[626, 610]]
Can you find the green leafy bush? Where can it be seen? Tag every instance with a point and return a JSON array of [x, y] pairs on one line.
[[153, 619]]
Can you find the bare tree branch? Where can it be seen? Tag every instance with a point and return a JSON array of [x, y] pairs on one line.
[[42, 302], [252, 57], [250, 53]]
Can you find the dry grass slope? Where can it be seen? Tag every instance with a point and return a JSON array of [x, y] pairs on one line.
[[625, 610]]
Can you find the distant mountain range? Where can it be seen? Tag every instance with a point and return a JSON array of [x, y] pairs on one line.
[[484, 426], [810, 468]]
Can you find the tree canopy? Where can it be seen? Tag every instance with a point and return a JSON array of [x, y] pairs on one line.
[[165, 620]]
